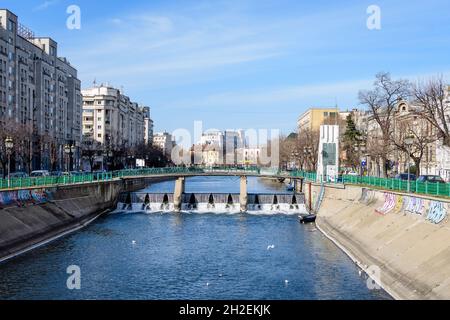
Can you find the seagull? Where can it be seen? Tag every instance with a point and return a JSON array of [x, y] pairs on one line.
[[207, 284], [286, 282], [271, 247], [133, 242]]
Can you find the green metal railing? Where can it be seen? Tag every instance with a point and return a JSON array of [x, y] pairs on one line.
[[425, 188], [17, 183]]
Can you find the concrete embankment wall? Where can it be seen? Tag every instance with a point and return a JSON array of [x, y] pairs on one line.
[[33, 216], [407, 237]]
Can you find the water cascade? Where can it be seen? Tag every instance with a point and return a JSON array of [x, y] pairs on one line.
[[212, 203]]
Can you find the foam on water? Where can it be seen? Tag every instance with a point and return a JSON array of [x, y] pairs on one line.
[[218, 208]]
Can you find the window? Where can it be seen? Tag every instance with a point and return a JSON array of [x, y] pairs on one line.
[[11, 25]]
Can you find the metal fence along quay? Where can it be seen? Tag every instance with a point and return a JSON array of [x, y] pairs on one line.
[[425, 188], [17, 183]]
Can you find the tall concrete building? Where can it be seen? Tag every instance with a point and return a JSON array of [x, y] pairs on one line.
[[111, 118], [38, 91], [148, 126]]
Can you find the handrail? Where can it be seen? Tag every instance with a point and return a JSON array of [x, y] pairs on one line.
[[425, 188], [18, 183]]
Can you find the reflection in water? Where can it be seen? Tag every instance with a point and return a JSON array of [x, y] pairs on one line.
[[173, 256]]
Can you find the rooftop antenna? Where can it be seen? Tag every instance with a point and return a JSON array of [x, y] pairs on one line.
[[94, 82]]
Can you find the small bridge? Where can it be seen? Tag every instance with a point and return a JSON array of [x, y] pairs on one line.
[[176, 172]]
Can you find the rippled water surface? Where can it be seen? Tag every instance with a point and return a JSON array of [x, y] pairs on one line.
[[190, 256]]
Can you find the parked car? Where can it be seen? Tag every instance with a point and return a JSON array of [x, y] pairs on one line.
[[40, 173], [404, 176], [431, 179], [18, 175]]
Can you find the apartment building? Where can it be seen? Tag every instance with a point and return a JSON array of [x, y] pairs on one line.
[[148, 126], [111, 118], [313, 118], [164, 142], [39, 94]]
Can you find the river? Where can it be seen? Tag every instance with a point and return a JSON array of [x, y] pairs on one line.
[[190, 256]]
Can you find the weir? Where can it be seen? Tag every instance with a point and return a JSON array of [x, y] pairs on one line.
[[211, 202]]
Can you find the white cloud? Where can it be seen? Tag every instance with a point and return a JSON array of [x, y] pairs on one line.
[[44, 5]]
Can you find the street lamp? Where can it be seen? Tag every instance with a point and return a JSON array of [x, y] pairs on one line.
[[409, 140], [9, 145], [69, 149]]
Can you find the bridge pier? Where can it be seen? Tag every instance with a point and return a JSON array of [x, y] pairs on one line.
[[178, 193], [243, 197]]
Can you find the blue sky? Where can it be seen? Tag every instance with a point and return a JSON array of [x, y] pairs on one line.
[[247, 63]]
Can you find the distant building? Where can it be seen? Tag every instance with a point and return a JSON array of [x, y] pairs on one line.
[[213, 138], [164, 142], [443, 152], [212, 156], [313, 118], [148, 126], [248, 156]]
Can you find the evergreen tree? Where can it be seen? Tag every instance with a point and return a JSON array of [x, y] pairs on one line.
[[351, 138]]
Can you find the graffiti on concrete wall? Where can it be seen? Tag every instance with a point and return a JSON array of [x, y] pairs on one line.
[[437, 212], [22, 197], [415, 206], [367, 196], [400, 204], [389, 204]]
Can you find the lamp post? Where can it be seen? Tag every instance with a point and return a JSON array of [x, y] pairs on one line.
[[69, 150], [9, 145], [409, 140]]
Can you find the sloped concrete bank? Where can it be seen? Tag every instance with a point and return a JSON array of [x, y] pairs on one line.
[[406, 237], [33, 217]]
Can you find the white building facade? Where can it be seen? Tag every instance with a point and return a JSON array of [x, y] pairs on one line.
[[164, 142], [39, 92], [111, 118]]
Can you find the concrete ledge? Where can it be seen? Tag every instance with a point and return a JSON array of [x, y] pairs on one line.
[[412, 253]]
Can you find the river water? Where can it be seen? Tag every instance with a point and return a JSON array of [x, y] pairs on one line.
[[190, 256]]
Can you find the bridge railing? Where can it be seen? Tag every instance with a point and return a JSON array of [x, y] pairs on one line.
[[17, 183], [417, 187]]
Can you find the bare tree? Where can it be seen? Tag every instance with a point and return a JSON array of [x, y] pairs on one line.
[[23, 137], [90, 150], [432, 97], [422, 137], [309, 142], [381, 102]]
